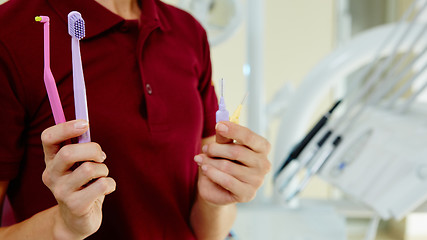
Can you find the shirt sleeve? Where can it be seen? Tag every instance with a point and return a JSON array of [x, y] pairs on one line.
[[207, 92], [12, 120]]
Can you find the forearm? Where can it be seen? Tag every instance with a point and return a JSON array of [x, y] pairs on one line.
[[211, 222], [44, 225]]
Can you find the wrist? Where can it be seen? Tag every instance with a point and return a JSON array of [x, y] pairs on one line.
[[212, 207], [60, 229], [211, 221]]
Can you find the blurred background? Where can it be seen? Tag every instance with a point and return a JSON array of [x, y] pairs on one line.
[[288, 39]]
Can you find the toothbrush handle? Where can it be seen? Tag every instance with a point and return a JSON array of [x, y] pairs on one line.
[[80, 103], [49, 80], [52, 93]]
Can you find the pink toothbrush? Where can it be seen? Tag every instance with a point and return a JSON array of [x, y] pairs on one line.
[[76, 28], [49, 81]]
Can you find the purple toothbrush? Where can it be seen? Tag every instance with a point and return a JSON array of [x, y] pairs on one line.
[[76, 28]]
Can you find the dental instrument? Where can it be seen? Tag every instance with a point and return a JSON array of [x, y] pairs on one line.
[[301, 145], [76, 29], [295, 165], [236, 115], [389, 84], [222, 113], [351, 152], [321, 156], [372, 80], [373, 228], [393, 99], [358, 112], [370, 85], [49, 80], [380, 188], [297, 128], [389, 80], [325, 154], [318, 156], [357, 102], [413, 97]]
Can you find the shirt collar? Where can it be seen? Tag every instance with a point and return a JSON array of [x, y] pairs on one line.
[[98, 19]]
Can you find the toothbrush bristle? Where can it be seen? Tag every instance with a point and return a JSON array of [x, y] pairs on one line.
[[42, 19], [222, 87], [244, 98], [76, 25]]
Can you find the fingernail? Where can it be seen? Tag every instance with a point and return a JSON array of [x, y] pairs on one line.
[[205, 148], [204, 168], [221, 127], [80, 125], [197, 159], [104, 156]]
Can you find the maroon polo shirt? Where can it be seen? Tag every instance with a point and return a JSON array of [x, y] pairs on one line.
[[150, 102]]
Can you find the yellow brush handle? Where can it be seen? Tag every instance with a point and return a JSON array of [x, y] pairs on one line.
[[235, 117]]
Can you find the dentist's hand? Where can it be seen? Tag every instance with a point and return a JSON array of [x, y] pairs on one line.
[[79, 192], [232, 172]]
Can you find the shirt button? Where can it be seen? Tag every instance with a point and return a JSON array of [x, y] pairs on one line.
[[149, 89]]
